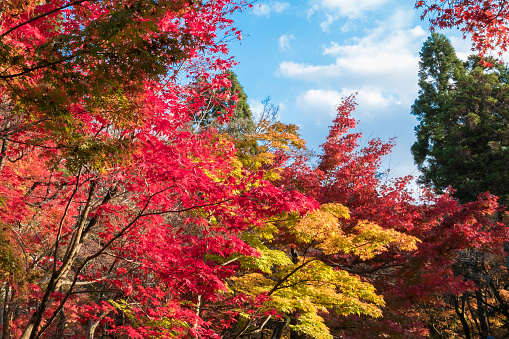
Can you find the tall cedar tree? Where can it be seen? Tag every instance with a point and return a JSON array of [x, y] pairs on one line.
[[234, 106], [462, 142], [487, 23], [463, 109]]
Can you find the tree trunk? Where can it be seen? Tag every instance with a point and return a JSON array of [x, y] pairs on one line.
[[7, 312], [295, 334], [81, 233], [3, 156], [481, 311], [92, 326], [461, 315], [279, 328], [506, 249], [59, 334], [2, 309], [503, 307]]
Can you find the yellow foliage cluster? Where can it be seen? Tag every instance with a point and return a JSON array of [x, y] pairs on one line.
[[259, 148], [309, 287], [304, 287], [323, 229]]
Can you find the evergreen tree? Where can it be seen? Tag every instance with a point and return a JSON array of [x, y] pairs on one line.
[[438, 69], [221, 102], [463, 109], [462, 142]]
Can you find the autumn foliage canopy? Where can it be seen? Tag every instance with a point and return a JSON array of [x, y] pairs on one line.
[[122, 216], [484, 21]]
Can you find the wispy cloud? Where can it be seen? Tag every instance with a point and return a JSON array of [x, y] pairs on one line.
[[284, 42], [332, 10], [267, 8], [382, 65], [317, 100]]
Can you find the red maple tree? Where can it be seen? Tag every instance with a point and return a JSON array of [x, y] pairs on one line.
[[484, 21], [111, 204], [350, 175]]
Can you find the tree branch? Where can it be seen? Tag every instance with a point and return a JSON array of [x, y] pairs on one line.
[[42, 15]]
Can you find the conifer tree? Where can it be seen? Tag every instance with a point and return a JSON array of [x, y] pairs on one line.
[[229, 100], [463, 110], [438, 69], [462, 143]]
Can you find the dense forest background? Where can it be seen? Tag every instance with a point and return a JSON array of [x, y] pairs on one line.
[[140, 197]]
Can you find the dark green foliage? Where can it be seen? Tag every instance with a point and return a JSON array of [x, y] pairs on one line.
[[438, 67], [463, 109], [241, 120], [242, 109]]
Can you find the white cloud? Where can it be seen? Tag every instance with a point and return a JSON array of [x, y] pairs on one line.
[[382, 65], [335, 9], [280, 7], [462, 46], [373, 98], [308, 72], [318, 101], [266, 9], [256, 107], [346, 7], [284, 42], [261, 10], [372, 102]]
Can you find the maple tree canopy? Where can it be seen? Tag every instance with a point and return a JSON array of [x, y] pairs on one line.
[[486, 22], [129, 208]]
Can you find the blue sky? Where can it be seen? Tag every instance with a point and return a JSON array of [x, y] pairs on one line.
[[308, 54]]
